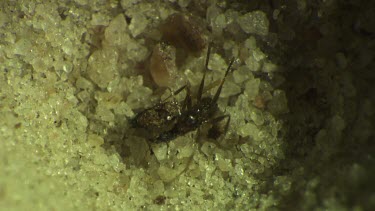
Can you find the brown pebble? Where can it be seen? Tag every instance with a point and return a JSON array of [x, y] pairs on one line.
[[179, 30], [163, 65], [259, 102]]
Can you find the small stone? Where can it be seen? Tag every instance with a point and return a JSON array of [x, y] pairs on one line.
[[258, 55], [136, 51], [160, 151], [181, 31], [241, 74], [232, 48], [257, 116], [266, 86], [185, 152], [221, 21], [102, 66], [124, 109], [84, 96], [252, 88], [95, 140], [217, 63], [252, 64], [109, 100], [254, 23], [22, 47], [238, 169], [246, 149], [193, 77], [167, 174], [163, 65], [116, 33], [212, 12], [208, 148], [100, 159], [115, 162], [251, 130], [137, 186], [219, 24], [104, 113], [83, 83], [231, 15], [40, 64], [126, 4], [63, 66], [251, 43], [99, 19], [138, 24], [260, 101], [137, 98], [159, 186], [183, 3], [223, 163], [68, 47], [229, 89]]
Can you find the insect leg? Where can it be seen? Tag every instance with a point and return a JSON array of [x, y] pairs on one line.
[[217, 94], [187, 104], [175, 92], [215, 131], [201, 86]]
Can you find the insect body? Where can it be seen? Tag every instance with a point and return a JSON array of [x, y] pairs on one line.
[[157, 119], [191, 119], [169, 119]]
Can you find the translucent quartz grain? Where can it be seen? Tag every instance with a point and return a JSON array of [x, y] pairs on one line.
[[255, 22], [102, 67], [138, 24]]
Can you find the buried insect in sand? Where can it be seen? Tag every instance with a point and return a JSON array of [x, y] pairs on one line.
[[169, 119]]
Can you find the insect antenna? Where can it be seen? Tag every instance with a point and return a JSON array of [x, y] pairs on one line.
[[174, 93], [187, 102], [217, 94], [201, 86]]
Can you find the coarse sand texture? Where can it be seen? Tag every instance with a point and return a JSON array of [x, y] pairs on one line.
[[300, 96]]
